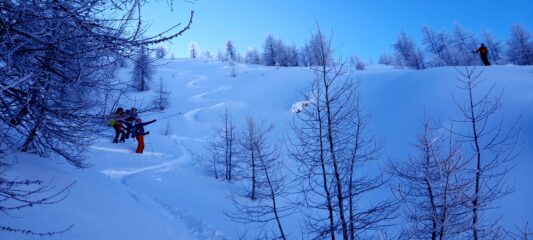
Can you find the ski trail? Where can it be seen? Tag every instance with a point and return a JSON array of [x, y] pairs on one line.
[[182, 221], [203, 94], [198, 228], [192, 84], [120, 173], [162, 167], [115, 150], [193, 114]]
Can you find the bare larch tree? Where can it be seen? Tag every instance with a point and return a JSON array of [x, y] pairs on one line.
[[265, 199], [493, 146], [331, 146], [431, 187]]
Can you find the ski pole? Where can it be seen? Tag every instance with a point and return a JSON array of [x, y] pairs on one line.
[[170, 116]]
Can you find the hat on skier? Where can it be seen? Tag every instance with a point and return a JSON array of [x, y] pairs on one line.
[[138, 120]]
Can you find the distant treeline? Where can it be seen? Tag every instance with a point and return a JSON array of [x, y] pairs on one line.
[[438, 48], [275, 52]]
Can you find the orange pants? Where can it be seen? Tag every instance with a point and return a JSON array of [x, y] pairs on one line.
[[140, 144]]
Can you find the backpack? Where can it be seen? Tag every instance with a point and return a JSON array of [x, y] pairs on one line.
[[112, 122]]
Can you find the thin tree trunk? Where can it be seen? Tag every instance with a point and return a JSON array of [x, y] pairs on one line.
[[253, 197], [272, 197], [230, 158], [226, 141], [444, 208], [323, 167], [433, 209], [33, 133], [475, 202], [332, 150], [31, 137], [350, 184]]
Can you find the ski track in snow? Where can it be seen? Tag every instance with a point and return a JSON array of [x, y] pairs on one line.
[[193, 114], [192, 83], [182, 221], [146, 153], [196, 228], [203, 94], [199, 229]]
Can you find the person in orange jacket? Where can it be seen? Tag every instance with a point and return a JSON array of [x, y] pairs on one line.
[[139, 133], [483, 53]]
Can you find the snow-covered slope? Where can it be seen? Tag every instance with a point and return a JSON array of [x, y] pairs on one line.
[[165, 193]]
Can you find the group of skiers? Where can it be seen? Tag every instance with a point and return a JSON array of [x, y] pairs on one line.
[[128, 123]]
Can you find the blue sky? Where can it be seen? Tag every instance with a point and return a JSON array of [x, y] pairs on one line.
[[364, 28]]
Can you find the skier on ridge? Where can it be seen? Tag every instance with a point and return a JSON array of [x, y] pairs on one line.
[[483, 53]]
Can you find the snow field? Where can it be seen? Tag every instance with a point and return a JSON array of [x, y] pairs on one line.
[[166, 193]]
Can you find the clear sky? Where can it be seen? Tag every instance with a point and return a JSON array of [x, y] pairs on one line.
[[364, 28]]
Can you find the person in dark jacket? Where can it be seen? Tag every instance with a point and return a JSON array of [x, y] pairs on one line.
[[118, 126], [483, 53], [134, 116], [139, 133], [130, 122]]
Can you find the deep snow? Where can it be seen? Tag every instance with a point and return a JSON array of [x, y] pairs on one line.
[[166, 193]]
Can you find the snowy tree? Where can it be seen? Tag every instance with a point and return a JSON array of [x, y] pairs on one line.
[[231, 53], [269, 51], [492, 148], [252, 56], [332, 146], [520, 46], [314, 50], [357, 63], [436, 43], [207, 54], [160, 100], [280, 53], [386, 59], [233, 72], [277, 53], [293, 56], [143, 70], [431, 186], [464, 43], [238, 57], [193, 50], [264, 172], [304, 56], [407, 53], [284, 55], [223, 147], [160, 52], [57, 61], [68, 46], [221, 56], [249, 157]]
